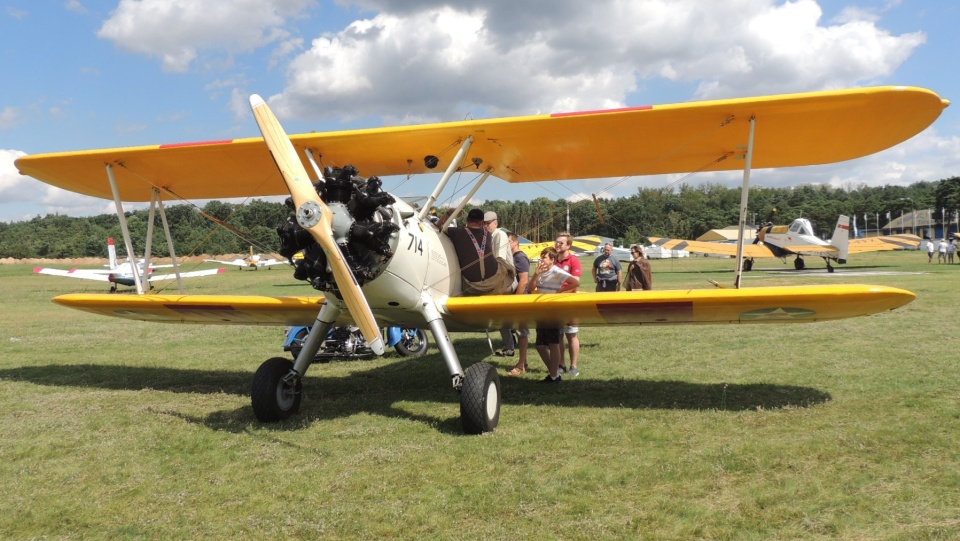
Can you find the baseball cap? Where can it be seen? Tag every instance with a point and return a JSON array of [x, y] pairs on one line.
[[489, 216], [475, 215]]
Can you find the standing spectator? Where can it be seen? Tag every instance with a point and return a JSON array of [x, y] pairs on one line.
[[522, 263], [606, 270], [930, 250], [550, 278], [942, 248], [639, 276], [501, 245], [569, 262], [951, 250]]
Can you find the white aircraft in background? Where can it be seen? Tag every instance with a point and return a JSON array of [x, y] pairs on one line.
[[122, 273], [254, 261]]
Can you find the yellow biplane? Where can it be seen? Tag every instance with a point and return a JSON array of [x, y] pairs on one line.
[[377, 261]]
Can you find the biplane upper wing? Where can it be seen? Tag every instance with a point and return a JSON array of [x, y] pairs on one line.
[[904, 241], [692, 306], [713, 248], [791, 130]]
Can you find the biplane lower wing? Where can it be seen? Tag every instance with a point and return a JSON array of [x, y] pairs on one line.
[[753, 305]]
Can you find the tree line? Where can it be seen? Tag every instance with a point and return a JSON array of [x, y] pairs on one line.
[[683, 212]]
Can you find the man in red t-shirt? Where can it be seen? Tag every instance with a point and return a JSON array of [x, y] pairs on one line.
[[569, 262]]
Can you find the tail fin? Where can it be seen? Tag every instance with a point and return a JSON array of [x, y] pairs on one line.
[[112, 253], [841, 238]]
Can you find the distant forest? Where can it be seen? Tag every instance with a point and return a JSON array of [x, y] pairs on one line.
[[684, 212]]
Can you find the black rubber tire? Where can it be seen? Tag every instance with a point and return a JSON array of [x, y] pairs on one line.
[[799, 264], [416, 346], [480, 399], [272, 399], [747, 265]]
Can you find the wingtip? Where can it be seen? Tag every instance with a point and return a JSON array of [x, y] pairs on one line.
[[256, 101]]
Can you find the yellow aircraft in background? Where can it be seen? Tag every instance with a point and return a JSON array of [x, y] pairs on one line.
[[797, 240], [376, 260], [581, 246]]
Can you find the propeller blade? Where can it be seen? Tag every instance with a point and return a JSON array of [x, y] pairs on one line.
[[314, 216]]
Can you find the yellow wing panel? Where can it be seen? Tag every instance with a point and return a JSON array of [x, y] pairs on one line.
[[792, 130], [880, 244], [715, 248], [752, 305], [581, 246], [202, 309]]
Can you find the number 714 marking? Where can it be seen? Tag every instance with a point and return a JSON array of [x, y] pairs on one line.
[[416, 243]]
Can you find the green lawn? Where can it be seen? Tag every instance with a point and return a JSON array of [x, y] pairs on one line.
[[841, 430]]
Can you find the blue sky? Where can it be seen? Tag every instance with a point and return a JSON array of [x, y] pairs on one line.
[[82, 74]]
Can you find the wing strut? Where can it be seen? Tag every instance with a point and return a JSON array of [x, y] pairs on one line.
[[454, 165], [166, 231], [127, 241], [463, 203], [744, 194]]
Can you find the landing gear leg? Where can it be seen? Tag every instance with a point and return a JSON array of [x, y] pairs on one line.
[[479, 387], [277, 385], [829, 266]]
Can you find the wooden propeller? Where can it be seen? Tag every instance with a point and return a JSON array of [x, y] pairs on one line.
[[314, 216]]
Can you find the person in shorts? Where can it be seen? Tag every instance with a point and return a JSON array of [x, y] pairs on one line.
[[550, 278]]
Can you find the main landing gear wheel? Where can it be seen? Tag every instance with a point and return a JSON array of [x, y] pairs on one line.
[[273, 398], [480, 399], [799, 264], [747, 265], [413, 342]]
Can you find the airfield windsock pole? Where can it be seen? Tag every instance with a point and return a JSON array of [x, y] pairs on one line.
[[744, 193]]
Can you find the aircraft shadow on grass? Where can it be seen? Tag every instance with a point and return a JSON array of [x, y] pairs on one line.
[[378, 390]]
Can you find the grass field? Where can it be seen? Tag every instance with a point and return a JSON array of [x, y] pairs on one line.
[[842, 430]]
